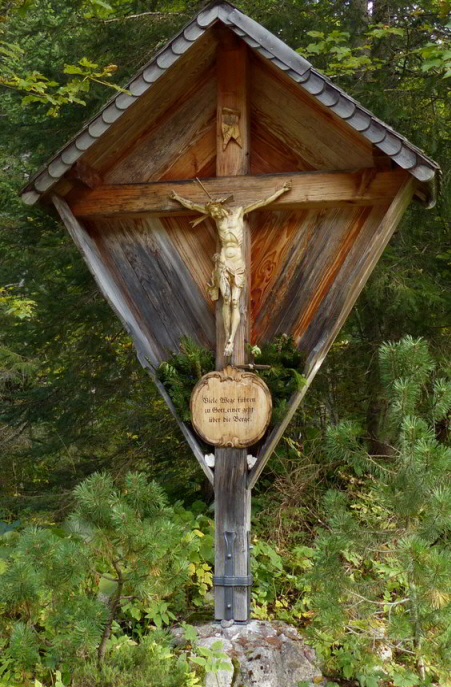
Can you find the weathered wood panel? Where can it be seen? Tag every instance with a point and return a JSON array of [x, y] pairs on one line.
[[357, 267], [196, 247], [232, 514], [199, 160], [301, 124], [172, 87], [112, 289], [158, 282], [309, 189], [320, 244], [170, 137], [272, 235], [323, 112], [360, 261], [232, 69], [269, 155]]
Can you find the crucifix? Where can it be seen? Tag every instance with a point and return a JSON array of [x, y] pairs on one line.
[[154, 270], [229, 272]]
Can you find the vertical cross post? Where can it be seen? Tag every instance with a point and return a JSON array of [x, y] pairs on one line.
[[232, 498]]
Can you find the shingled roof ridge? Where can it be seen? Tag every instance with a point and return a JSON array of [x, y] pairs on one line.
[[300, 70]]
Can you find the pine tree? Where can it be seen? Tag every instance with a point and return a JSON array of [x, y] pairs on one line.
[[382, 576], [62, 590]]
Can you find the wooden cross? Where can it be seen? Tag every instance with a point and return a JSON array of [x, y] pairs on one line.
[[390, 189]]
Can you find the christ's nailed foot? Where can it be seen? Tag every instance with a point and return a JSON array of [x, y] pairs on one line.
[[228, 350]]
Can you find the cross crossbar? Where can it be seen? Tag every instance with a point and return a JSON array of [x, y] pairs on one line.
[[309, 189]]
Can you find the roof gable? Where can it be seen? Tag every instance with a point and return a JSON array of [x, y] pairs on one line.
[[195, 37]]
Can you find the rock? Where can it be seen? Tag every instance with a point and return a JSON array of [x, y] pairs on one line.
[[260, 654]]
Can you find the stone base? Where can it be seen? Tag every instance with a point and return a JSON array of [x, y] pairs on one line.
[[261, 654]]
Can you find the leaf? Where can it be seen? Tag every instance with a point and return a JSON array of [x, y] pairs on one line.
[[101, 3], [199, 660], [86, 63], [204, 651], [107, 587], [217, 646], [189, 632], [405, 679]]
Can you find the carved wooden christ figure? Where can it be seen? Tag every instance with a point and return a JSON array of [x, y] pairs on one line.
[[229, 272]]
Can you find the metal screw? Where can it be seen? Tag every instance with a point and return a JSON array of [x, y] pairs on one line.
[[229, 605], [229, 555]]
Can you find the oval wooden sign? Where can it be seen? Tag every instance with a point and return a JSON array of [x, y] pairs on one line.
[[231, 408]]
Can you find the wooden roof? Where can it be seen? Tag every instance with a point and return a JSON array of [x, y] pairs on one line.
[[101, 142]]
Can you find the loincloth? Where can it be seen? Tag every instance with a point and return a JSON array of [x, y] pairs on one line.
[[224, 277]]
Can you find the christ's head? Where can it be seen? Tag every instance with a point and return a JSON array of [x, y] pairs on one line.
[[217, 210]]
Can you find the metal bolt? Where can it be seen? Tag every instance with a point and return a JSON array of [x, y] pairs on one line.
[[229, 555], [229, 605]]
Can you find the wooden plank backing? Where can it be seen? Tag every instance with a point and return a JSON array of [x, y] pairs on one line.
[[357, 267], [269, 155], [170, 89], [302, 125], [159, 283], [170, 137], [273, 235], [196, 247], [318, 248], [309, 189], [110, 287], [198, 160]]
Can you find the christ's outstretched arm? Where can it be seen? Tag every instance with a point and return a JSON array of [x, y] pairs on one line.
[[266, 201], [188, 204]]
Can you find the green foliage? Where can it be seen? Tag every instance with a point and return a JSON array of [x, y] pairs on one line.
[[62, 590], [285, 375], [149, 663], [381, 580], [181, 372], [212, 659], [37, 87]]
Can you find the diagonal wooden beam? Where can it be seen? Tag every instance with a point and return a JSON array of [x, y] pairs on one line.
[[121, 307], [309, 189], [364, 265]]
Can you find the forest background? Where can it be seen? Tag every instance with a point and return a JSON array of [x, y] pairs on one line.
[[352, 516]]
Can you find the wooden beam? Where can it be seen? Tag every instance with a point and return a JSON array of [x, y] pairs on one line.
[[232, 498], [364, 265], [232, 156], [117, 301], [83, 175], [309, 189]]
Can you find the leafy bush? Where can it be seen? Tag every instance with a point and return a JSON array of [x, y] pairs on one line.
[[62, 591]]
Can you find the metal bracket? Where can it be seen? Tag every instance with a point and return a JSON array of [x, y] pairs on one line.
[[229, 580], [232, 581], [229, 569]]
